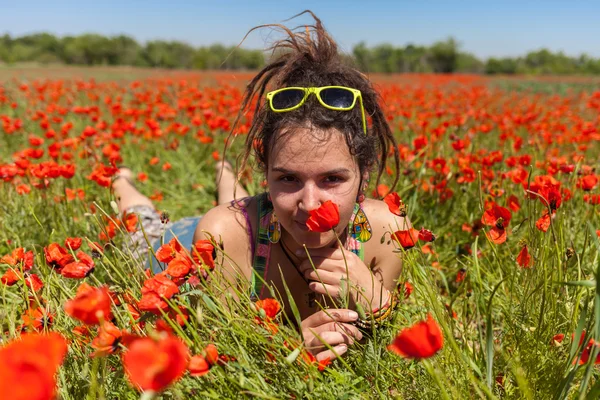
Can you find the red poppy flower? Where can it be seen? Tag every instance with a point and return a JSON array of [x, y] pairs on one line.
[[498, 217], [407, 239], [29, 364], [324, 218], [324, 363], [524, 258], [268, 311], [588, 182], [154, 293], [395, 204], [513, 203], [78, 269], [168, 251], [543, 223], [422, 340], [179, 266], [10, 277], [198, 366], [203, 253], [381, 191], [211, 354], [426, 235], [270, 306], [56, 256], [34, 282], [19, 258], [130, 222], [73, 243], [557, 339], [405, 289], [107, 341], [90, 305], [37, 319], [497, 235], [154, 365]]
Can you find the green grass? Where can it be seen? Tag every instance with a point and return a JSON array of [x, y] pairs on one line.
[[498, 346]]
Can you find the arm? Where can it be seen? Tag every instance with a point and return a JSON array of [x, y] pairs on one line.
[[227, 225]]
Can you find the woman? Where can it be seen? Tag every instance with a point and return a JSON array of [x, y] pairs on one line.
[[312, 143]]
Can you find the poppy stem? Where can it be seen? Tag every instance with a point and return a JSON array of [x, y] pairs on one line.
[[346, 288], [435, 374]]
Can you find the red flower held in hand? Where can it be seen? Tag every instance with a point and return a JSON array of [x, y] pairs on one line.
[[324, 218], [155, 364], [421, 340], [90, 305], [28, 366]]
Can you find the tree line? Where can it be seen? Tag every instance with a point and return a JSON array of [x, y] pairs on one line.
[[441, 57]]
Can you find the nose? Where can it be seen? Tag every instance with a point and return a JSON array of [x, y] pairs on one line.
[[310, 199]]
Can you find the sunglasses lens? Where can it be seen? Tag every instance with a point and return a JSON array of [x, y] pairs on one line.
[[287, 99], [338, 98]]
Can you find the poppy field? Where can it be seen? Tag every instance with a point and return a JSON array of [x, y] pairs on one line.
[[498, 295]]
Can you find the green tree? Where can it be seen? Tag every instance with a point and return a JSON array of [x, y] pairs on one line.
[[443, 56]]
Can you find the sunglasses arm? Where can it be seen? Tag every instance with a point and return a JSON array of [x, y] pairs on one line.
[[362, 110]]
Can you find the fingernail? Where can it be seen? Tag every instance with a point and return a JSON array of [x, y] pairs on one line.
[[342, 347], [353, 315]]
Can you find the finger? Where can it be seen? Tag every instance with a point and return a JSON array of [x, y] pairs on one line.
[[341, 327], [332, 354], [323, 288], [327, 277], [324, 316], [318, 342], [321, 264]]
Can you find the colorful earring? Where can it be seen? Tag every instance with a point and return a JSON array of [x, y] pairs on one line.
[[361, 229], [274, 230]]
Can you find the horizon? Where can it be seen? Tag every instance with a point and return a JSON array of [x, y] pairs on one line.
[[510, 29]]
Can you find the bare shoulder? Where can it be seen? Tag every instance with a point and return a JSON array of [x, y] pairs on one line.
[[382, 220], [379, 254], [228, 225]]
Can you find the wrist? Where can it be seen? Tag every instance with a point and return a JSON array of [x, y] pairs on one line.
[[375, 299]]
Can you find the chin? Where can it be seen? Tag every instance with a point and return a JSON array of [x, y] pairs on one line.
[[314, 240]]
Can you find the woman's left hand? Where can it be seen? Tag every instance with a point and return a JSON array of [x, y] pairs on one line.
[[330, 272]]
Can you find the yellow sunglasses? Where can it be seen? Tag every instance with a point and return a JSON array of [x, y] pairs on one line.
[[339, 98]]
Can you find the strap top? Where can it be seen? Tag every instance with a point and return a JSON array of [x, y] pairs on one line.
[[262, 248]]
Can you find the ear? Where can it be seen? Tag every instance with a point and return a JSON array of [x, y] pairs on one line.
[[365, 180]]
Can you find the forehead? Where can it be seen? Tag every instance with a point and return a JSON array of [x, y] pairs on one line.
[[311, 150]]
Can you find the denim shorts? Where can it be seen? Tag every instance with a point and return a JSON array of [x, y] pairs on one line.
[[157, 233]]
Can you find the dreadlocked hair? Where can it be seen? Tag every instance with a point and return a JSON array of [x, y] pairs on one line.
[[306, 59]]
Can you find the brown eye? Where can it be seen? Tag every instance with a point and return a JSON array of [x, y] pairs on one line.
[[334, 179]]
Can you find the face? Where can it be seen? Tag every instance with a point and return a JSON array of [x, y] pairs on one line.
[[307, 168]]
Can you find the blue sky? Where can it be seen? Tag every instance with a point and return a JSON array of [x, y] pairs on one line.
[[499, 28]]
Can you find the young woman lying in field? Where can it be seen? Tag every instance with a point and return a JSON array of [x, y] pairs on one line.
[[310, 138]]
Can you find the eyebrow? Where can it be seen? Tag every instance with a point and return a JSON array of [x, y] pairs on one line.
[[330, 172]]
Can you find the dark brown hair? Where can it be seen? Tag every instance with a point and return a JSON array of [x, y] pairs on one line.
[[310, 58]]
